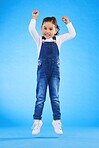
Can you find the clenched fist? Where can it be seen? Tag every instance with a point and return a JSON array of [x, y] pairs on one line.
[[35, 14], [65, 19]]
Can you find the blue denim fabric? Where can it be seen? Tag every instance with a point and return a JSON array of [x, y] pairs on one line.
[[48, 75]]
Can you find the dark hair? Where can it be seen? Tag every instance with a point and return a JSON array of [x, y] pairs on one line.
[[53, 20]]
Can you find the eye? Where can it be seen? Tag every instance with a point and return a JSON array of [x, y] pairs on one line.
[[45, 28], [51, 29]]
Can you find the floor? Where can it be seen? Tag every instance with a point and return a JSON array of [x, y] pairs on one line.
[[20, 137]]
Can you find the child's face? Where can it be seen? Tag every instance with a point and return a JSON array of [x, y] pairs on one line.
[[48, 30]]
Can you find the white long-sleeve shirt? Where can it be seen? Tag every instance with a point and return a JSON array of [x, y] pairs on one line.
[[59, 38]]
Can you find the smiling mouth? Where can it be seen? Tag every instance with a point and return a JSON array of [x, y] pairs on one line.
[[47, 35]]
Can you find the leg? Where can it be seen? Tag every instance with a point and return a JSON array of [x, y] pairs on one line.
[[40, 96], [54, 96]]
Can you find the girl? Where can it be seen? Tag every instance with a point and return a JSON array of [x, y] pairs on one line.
[[48, 67]]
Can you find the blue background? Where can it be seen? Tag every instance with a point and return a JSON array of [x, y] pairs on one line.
[[79, 88]]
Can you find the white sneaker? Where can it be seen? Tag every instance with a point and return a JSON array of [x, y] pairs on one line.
[[36, 127], [57, 126]]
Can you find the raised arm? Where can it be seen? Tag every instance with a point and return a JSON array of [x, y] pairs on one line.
[[71, 31], [32, 26]]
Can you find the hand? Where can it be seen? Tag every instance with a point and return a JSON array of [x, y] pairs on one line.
[[35, 14], [65, 19]]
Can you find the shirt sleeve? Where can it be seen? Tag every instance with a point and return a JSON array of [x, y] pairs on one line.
[[33, 31], [69, 35]]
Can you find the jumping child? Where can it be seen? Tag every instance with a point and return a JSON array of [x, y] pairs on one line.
[[48, 74]]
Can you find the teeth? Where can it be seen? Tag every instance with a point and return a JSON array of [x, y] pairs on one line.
[[47, 35]]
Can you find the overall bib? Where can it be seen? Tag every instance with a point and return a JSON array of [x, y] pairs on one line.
[[48, 75]]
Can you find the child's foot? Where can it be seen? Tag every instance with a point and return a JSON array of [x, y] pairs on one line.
[[57, 126], [36, 127]]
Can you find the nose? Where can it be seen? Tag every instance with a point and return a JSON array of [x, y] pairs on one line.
[[48, 32]]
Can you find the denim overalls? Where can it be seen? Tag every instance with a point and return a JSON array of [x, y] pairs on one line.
[[48, 75]]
